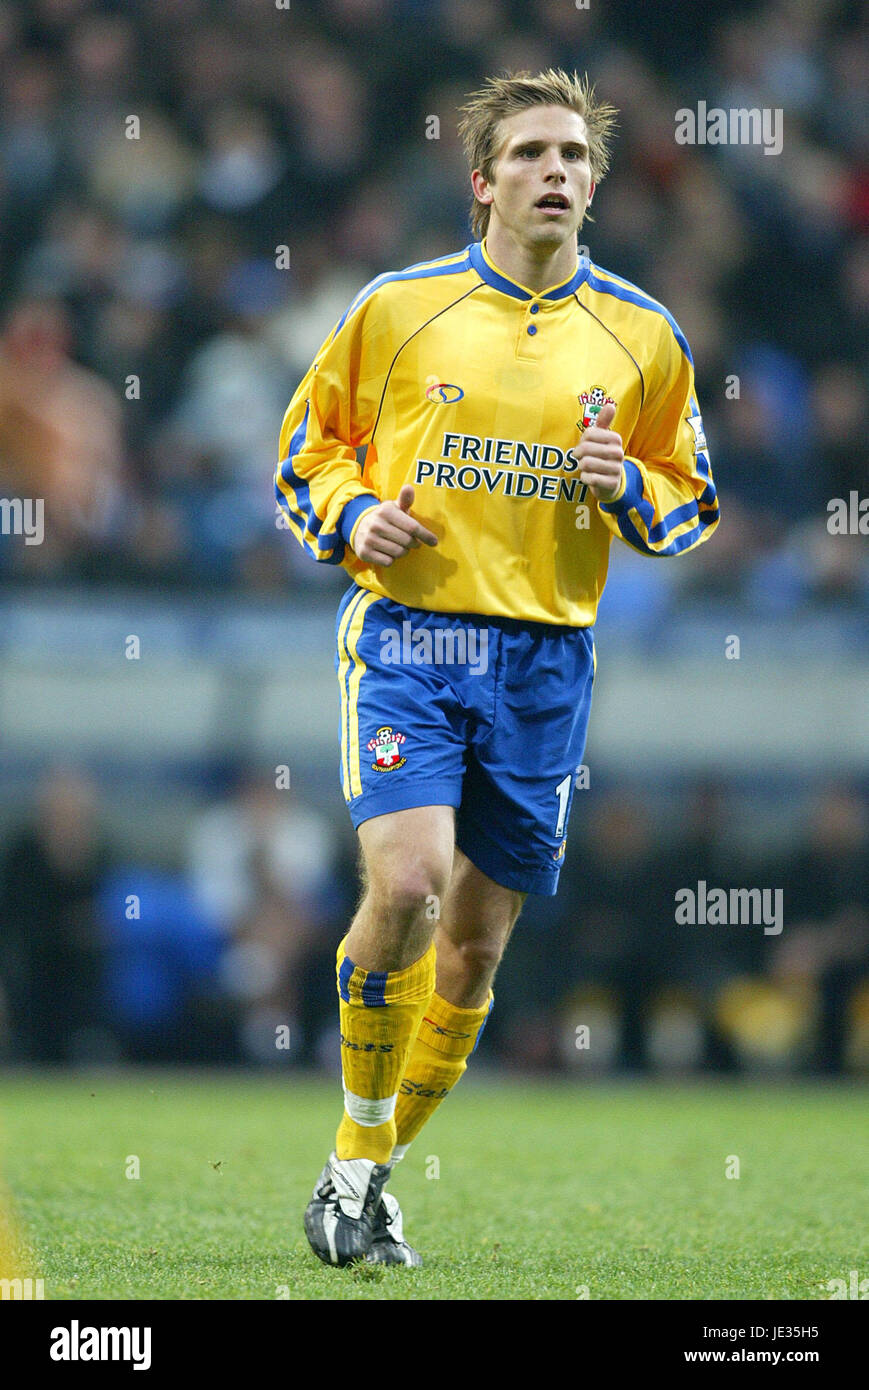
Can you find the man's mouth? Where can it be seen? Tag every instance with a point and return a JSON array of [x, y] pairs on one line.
[[553, 203]]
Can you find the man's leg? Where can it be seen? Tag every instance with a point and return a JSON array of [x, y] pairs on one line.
[[477, 918], [386, 968], [386, 976]]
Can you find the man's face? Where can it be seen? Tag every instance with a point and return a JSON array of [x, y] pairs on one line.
[[543, 154]]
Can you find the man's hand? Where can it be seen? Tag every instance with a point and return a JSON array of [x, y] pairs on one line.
[[387, 532], [602, 456]]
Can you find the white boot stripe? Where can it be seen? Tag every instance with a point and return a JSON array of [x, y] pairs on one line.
[[330, 1221]]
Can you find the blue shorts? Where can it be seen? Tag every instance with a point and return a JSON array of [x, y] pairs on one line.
[[488, 715]]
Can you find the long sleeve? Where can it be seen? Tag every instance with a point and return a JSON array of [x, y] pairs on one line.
[[668, 503], [318, 481]]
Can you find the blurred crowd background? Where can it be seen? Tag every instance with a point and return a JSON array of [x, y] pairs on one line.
[[190, 195]]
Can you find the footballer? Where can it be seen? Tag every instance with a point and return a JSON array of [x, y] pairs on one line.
[[472, 434]]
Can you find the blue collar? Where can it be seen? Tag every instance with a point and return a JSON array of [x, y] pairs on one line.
[[487, 271]]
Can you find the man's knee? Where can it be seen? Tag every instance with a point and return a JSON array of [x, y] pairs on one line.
[[480, 957], [473, 936], [407, 861], [407, 868], [407, 888]]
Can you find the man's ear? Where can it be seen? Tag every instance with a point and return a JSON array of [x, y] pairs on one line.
[[487, 197], [591, 189]]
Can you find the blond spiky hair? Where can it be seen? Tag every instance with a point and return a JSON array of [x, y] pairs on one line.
[[479, 126]]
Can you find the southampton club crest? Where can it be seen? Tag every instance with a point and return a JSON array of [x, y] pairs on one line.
[[591, 403], [385, 746]]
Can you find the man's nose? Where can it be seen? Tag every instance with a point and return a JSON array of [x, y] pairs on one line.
[[555, 168]]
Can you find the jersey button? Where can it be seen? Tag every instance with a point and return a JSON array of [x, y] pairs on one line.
[[533, 329], [535, 308]]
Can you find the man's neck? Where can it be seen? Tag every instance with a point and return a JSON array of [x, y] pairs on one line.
[[536, 273]]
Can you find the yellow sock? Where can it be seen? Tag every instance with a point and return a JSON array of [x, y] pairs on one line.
[[446, 1038], [380, 1013]]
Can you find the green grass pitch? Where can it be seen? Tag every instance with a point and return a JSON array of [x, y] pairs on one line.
[[545, 1190]]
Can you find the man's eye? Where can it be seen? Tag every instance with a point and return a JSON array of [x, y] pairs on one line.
[[573, 154]]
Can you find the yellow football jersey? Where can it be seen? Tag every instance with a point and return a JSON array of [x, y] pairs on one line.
[[453, 377]]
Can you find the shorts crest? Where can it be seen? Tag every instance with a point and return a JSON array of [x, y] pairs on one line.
[[385, 747]]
